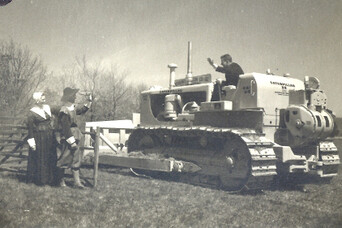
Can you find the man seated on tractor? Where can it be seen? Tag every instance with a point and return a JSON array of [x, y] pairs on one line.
[[231, 70]]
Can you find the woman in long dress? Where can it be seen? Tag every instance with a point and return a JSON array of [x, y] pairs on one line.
[[42, 158]]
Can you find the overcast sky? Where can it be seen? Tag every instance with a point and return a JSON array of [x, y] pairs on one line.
[[300, 37]]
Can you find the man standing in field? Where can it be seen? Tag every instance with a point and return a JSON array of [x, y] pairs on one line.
[[68, 151]]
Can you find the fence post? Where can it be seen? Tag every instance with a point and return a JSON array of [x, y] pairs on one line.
[[96, 154]]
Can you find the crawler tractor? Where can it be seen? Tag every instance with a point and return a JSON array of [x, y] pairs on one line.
[[267, 127]]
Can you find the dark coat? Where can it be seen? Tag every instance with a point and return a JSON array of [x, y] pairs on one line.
[[69, 157], [41, 162], [232, 73]]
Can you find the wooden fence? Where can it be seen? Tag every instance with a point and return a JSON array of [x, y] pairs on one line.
[[13, 146]]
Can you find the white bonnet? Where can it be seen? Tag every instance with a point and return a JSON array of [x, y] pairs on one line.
[[37, 96]]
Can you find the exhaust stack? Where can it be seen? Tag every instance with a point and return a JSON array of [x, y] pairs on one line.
[[189, 71]]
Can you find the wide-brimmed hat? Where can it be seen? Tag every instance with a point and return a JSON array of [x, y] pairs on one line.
[[68, 93]]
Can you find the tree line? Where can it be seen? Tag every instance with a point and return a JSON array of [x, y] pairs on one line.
[[22, 73]]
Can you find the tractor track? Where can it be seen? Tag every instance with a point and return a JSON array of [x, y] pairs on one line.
[[232, 159]]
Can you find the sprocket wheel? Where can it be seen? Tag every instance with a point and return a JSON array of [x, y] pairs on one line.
[[235, 161]]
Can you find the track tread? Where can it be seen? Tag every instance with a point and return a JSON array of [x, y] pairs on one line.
[[263, 158]]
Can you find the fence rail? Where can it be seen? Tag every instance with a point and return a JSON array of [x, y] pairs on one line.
[[13, 135]]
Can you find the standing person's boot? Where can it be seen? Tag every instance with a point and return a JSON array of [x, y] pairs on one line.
[[62, 183], [59, 177], [77, 181]]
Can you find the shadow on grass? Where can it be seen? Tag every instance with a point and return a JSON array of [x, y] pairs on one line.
[[172, 177], [88, 180], [179, 178], [290, 185], [110, 169]]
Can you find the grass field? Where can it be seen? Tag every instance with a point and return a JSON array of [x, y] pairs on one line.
[[123, 200]]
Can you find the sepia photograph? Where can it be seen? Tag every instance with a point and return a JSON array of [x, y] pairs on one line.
[[160, 113]]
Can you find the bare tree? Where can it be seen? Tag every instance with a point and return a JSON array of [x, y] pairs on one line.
[[21, 73], [114, 97], [108, 87], [89, 76], [80, 74], [113, 91]]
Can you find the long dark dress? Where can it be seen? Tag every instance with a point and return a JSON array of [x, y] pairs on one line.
[[41, 162]]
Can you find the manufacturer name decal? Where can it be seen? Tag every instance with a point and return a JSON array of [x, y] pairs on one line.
[[282, 84], [171, 91]]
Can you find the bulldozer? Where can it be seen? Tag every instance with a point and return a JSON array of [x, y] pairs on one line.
[[268, 127]]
